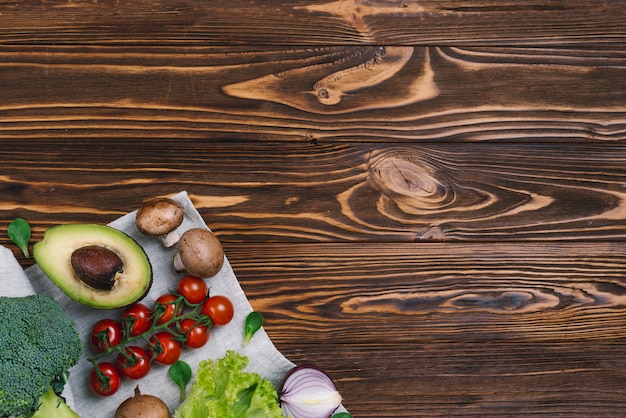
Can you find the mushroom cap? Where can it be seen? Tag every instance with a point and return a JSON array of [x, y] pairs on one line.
[[158, 216], [200, 252]]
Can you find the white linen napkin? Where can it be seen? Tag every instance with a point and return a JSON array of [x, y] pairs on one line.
[[14, 282], [264, 358]]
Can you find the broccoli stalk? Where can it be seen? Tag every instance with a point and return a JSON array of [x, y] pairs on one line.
[[38, 345], [52, 405]]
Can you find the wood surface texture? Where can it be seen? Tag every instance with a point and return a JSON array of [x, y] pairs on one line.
[[426, 199]]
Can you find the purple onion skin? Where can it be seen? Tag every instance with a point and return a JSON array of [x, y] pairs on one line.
[[299, 412]]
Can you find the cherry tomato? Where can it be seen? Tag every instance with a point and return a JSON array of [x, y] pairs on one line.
[[167, 300], [140, 318], [107, 382], [197, 335], [220, 309], [193, 288], [166, 348], [106, 333], [135, 363]]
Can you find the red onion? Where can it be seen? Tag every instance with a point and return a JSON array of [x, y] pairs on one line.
[[308, 392]]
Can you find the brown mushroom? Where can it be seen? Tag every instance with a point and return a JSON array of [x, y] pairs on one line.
[[160, 217], [200, 253]]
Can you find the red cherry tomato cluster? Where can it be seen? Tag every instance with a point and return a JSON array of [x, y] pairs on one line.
[[144, 336]]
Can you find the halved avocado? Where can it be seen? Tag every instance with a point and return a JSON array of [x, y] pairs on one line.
[[95, 265]]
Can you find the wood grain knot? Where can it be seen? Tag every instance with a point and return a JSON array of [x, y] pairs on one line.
[[340, 81], [410, 182], [417, 185]]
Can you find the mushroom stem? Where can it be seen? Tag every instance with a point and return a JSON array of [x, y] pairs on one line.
[[178, 263], [170, 239]]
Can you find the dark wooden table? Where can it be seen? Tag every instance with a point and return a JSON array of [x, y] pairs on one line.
[[427, 199]]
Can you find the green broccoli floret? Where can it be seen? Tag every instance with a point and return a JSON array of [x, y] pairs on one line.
[[38, 345]]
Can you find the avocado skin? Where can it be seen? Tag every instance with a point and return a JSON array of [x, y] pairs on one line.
[[53, 254]]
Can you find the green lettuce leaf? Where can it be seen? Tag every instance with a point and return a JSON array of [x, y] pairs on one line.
[[222, 389]]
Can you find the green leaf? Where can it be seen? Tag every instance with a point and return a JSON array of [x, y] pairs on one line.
[[222, 388], [19, 232], [244, 399], [342, 415], [254, 322], [180, 373]]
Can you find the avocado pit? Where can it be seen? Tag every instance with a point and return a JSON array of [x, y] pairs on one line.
[[97, 266]]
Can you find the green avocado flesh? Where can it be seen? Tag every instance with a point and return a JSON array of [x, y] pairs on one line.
[[53, 255]]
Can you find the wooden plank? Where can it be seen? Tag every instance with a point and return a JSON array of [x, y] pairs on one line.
[[425, 293], [472, 379], [426, 199], [293, 192], [449, 330], [237, 22], [326, 94]]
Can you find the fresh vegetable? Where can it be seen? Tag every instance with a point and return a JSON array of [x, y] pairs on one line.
[[180, 373], [342, 415], [308, 392], [142, 406], [137, 319], [200, 253], [166, 307], [192, 288], [105, 379], [38, 345], [53, 406], [173, 324], [196, 335], [105, 334], [96, 265], [134, 362], [19, 232], [160, 217], [223, 389], [165, 348], [254, 322], [220, 309]]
